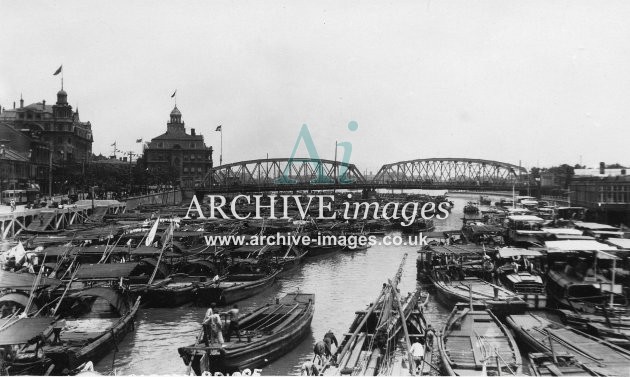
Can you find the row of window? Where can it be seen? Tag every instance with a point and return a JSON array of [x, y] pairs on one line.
[[166, 145], [192, 170]]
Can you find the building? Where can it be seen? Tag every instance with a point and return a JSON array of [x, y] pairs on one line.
[[58, 126], [185, 154], [25, 160], [605, 192]]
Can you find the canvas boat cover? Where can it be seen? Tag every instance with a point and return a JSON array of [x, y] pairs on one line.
[[570, 231], [105, 271], [524, 218], [24, 281], [622, 243], [594, 226], [22, 330], [576, 245], [112, 296], [509, 252], [14, 297]]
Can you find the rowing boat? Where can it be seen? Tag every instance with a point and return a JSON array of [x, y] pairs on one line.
[[474, 342], [269, 332]]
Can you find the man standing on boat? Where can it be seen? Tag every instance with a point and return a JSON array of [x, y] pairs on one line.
[[207, 331], [417, 352], [329, 340], [233, 313]]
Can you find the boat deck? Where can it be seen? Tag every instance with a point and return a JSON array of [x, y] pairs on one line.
[[476, 341], [590, 351]]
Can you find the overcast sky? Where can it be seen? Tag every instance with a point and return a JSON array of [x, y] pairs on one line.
[[544, 82]]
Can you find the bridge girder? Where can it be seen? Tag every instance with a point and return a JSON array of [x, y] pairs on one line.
[[283, 173], [450, 172]]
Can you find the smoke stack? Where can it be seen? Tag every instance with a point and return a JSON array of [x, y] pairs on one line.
[[43, 104], [623, 171], [13, 105], [192, 131], [602, 168], [21, 102]]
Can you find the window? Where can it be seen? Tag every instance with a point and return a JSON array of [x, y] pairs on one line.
[[160, 145], [185, 170], [192, 145], [192, 156]]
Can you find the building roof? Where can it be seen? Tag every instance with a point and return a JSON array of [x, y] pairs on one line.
[[178, 136], [576, 245], [13, 155], [176, 111]]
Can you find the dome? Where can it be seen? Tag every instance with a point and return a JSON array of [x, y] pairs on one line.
[[62, 97], [176, 111]]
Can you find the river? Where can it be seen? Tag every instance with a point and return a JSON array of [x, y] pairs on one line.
[[343, 283]]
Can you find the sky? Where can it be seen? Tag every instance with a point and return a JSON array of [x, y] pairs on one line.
[[536, 82]]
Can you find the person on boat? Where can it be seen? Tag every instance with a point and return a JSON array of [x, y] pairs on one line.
[[332, 339], [57, 327], [233, 313], [216, 329], [321, 350], [417, 352], [329, 339], [207, 331], [429, 336]]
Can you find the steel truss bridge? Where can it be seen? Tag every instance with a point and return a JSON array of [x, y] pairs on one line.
[[297, 174]]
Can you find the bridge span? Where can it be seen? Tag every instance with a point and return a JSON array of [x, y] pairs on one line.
[[300, 174]]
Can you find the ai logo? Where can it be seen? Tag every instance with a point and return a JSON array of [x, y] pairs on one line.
[[316, 162]]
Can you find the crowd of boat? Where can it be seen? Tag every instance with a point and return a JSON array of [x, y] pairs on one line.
[[532, 287]]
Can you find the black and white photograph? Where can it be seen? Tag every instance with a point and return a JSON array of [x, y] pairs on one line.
[[285, 188]]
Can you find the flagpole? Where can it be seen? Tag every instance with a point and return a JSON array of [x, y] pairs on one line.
[[221, 155]]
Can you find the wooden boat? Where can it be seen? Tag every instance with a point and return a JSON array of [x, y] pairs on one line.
[[543, 335], [234, 287], [269, 332], [369, 346], [474, 342], [419, 226], [97, 320], [551, 364], [499, 299], [525, 281], [471, 208], [174, 291], [21, 341]]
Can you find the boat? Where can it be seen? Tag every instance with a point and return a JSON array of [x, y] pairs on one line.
[[553, 364], [418, 226], [21, 342], [543, 335], [269, 331], [471, 208], [474, 342], [176, 290], [236, 286], [371, 343], [575, 282], [516, 272], [97, 320], [457, 271]]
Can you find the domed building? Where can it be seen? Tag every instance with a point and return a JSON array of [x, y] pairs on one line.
[[38, 129], [175, 149]]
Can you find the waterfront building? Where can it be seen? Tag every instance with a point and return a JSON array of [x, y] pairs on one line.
[[605, 192], [58, 126], [24, 160], [185, 154]]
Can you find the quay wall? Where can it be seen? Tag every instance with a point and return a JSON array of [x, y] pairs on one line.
[[164, 197]]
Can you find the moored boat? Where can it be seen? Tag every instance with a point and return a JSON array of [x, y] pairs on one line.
[[543, 335], [474, 342], [236, 286], [97, 320], [269, 332]]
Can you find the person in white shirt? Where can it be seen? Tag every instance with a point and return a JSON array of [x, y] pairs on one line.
[[417, 352]]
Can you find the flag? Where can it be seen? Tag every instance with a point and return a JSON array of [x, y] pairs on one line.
[[173, 95], [219, 128], [113, 145], [151, 235], [138, 140], [58, 71]]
